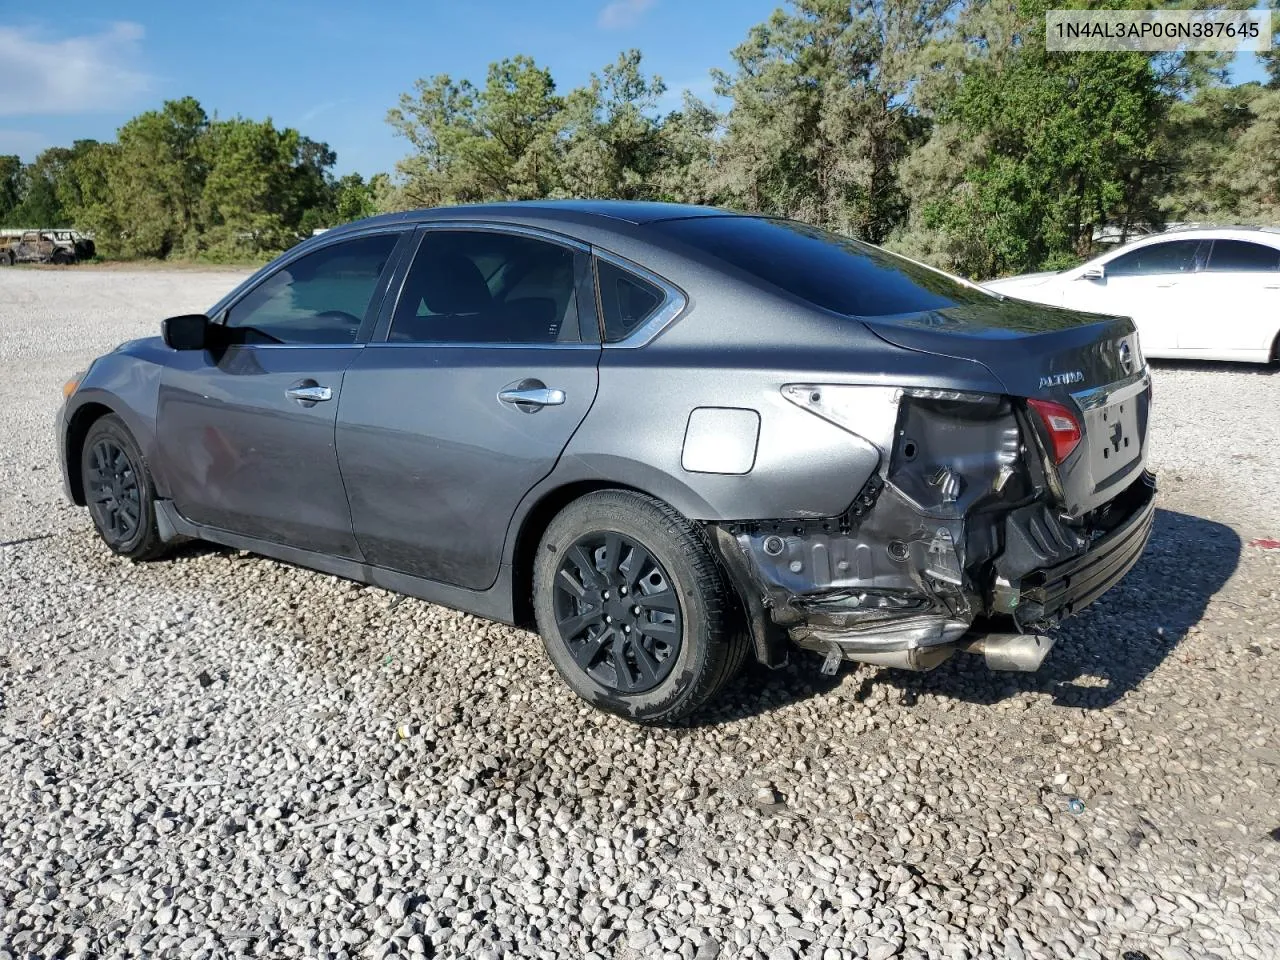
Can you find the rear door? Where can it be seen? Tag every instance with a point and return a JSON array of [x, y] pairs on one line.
[[478, 375], [1239, 308], [246, 431]]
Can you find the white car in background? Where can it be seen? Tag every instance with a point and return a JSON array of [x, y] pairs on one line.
[[1207, 293]]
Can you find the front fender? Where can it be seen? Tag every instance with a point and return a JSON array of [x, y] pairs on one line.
[[126, 383]]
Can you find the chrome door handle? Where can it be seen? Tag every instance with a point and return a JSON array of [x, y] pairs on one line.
[[533, 397], [309, 394]]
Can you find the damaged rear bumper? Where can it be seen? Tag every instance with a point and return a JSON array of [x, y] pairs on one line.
[[900, 582]]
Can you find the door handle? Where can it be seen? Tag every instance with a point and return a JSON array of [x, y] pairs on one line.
[[533, 396], [1171, 283], [309, 394]]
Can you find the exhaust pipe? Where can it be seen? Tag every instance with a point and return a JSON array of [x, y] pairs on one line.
[[1021, 652]]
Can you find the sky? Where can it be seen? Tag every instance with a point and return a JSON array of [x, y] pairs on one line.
[[328, 67]]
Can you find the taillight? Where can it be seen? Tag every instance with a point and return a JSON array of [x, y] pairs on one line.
[[1062, 426]]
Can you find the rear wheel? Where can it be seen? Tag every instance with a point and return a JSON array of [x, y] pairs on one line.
[[7, 258], [633, 609], [119, 491]]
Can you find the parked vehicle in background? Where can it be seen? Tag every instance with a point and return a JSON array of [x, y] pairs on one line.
[[669, 436], [39, 246], [1207, 293], [84, 247]]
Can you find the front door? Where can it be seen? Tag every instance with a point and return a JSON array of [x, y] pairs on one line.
[[246, 430], [1153, 284], [486, 370]]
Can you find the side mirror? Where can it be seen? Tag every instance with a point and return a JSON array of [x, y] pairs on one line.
[[1098, 272], [187, 332]]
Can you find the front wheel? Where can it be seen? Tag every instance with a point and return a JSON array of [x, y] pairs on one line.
[[633, 609], [119, 491]]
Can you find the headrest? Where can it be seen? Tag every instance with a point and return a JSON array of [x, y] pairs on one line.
[[449, 283]]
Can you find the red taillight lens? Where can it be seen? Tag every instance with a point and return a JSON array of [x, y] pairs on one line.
[[1062, 426]]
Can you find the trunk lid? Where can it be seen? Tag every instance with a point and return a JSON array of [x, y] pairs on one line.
[[1089, 363]]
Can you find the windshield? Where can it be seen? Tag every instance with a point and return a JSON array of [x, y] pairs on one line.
[[828, 270]]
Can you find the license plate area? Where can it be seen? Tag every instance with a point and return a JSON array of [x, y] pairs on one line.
[[1114, 443]]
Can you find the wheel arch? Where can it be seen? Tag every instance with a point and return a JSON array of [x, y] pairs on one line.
[[768, 643], [532, 526], [85, 416]]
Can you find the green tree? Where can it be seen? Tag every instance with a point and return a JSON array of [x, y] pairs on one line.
[[247, 199], [354, 199], [498, 142], [10, 188], [1222, 157], [155, 178], [822, 111], [613, 144], [43, 191], [689, 139]]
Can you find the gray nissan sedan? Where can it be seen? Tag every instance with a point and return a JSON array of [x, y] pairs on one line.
[[668, 437]]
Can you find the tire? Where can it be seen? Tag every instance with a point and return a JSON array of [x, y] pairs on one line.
[[7, 258], [62, 257], [688, 639], [119, 491]]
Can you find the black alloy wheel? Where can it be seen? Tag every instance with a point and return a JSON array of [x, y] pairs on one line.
[[617, 612], [634, 609], [113, 491], [118, 490]]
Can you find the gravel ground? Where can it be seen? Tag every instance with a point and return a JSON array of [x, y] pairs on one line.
[[219, 755]]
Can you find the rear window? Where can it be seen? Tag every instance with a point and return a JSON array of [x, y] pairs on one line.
[[831, 271], [626, 300]]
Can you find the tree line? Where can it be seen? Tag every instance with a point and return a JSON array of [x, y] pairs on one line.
[[940, 128], [176, 183]]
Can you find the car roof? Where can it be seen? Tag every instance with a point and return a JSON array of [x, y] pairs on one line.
[[1270, 234], [582, 212], [1209, 227]]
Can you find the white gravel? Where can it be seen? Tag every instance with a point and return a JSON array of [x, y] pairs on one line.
[[219, 755]]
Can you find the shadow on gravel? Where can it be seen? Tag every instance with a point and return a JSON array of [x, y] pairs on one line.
[[1114, 644], [758, 690]]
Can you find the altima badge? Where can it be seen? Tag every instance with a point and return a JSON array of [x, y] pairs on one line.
[[1061, 379]]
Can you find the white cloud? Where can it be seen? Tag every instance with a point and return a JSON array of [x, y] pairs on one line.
[[78, 74], [622, 13], [325, 107]]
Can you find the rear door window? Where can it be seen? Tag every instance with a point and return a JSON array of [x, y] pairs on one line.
[[484, 286], [1242, 256], [1175, 256]]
